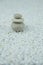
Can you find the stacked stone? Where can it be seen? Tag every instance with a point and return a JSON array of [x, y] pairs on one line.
[[18, 24]]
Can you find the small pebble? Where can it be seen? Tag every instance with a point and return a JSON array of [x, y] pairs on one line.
[[18, 16]]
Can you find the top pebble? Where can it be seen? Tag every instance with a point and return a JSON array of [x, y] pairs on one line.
[[18, 16]]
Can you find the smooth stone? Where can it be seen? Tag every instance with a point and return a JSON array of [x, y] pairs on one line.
[[18, 20], [18, 27], [18, 16]]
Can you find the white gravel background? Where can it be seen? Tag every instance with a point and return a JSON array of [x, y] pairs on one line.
[[23, 48]]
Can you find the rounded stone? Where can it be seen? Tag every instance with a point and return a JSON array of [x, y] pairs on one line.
[[18, 27], [18, 16]]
